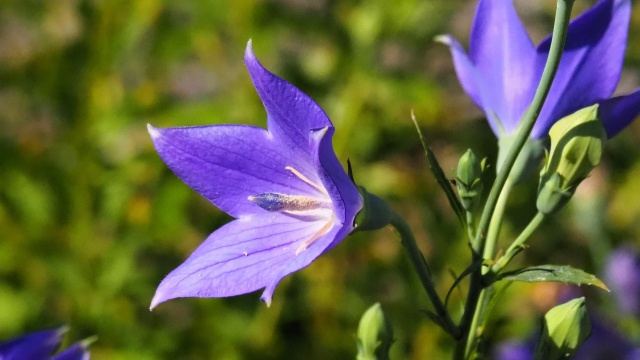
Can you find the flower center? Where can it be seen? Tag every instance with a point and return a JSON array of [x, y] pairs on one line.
[[306, 207]]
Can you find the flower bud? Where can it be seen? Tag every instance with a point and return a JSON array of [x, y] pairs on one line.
[[576, 148], [469, 180], [375, 335], [566, 327]]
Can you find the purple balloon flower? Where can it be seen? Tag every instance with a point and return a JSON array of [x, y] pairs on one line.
[[291, 199], [40, 345], [503, 68], [622, 275]]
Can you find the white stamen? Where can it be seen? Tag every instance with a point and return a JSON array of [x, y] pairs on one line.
[[317, 235], [305, 179]]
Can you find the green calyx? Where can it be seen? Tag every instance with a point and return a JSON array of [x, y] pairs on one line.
[[375, 212], [576, 148]]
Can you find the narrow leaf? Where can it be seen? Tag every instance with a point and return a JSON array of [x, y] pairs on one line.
[[553, 273], [458, 279], [440, 176]]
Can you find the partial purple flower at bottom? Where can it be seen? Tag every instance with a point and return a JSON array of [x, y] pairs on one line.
[[291, 199], [622, 275], [40, 345], [605, 342]]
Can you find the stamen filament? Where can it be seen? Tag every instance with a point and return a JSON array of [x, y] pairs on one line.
[[305, 179], [317, 235]]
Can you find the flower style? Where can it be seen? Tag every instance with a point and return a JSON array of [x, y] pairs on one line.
[[503, 68], [291, 199], [40, 345]]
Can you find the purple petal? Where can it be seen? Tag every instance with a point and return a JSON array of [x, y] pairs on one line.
[[618, 112], [346, 200], [228, 163], [514, 350], [291, 114], [606, 342], [240, 257], [591, 64], [259, 251], [474, 84], [77, 351], [505, 56], [468, 75], [35, 346], [622, 275]]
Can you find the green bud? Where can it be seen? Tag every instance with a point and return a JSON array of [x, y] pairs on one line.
[[469, 180], [566, 327], [375, 212], [375, 335], [576, 148]]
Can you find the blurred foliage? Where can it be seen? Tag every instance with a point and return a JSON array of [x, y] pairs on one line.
[[91, 219]]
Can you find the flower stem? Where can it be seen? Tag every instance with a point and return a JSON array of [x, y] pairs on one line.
[[518, 243], [496, 221], [421, 268], [560, 28], [470, 225]]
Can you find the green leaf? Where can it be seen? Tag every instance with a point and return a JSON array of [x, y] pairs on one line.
[[440, 176], [553, 273]]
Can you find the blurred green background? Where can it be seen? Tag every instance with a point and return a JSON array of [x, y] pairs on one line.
[[91, 220]]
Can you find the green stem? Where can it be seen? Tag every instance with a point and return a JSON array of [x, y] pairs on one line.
[[518, 243], [470, 225], [560, 28], [492, 238], [496, 221], [421, 268], [477, 321]]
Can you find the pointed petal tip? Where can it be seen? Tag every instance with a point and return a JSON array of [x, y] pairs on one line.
[[88, 341], [60, 331], [444, 39], [157, 300], [266, 299], [249, 56], [153, 132]]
